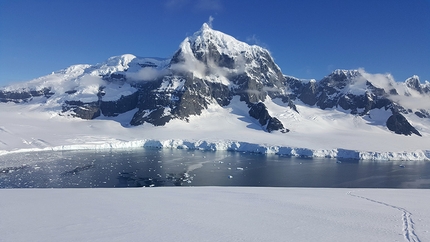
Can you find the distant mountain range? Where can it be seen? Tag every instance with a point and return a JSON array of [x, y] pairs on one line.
[[209, 68]]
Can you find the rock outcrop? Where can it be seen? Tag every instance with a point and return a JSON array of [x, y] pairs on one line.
[[400, 125]]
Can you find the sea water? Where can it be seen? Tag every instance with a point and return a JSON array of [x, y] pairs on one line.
[[175, 167]]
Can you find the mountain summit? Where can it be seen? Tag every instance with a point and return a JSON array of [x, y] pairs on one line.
[[211, 68]]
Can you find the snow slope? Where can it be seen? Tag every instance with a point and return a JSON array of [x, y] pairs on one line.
[[205, 41], [314, 133], [214, 214], [82, 82]]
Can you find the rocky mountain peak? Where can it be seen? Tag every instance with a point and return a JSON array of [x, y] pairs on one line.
[[217, 57], [205, 26], [341, 78], [414, 83], [346, 73], [207, 38], [214, 48]]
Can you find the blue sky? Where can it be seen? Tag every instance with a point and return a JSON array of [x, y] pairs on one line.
[[308, 39]]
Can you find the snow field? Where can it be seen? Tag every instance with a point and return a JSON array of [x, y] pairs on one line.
[[214, 214], [314, 133]]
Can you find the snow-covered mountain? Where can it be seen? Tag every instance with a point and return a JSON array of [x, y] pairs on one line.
[[360, 93], [209, 67], [214, 71]]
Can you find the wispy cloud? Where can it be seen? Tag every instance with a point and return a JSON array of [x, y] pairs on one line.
[[146, 74], [255, 40], [210, 21], [387, 82]]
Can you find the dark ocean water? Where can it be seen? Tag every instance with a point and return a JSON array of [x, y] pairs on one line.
[[170, 167]]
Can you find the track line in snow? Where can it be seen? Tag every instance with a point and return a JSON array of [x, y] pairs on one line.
[[40, 143], [3, 129], [408, 224]]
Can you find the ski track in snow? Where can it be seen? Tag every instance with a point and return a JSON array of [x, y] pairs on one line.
[[408, 224]]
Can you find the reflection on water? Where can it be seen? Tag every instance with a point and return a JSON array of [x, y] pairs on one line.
[[169, 167]]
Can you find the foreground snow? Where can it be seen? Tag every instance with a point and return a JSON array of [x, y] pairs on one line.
[[214, 214], [314, 133]]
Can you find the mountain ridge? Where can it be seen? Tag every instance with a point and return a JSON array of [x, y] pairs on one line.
[[211, 67]]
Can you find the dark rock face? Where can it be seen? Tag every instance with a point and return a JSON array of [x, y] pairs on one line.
[[92, 110], [309, 93], [328, 93], [191, 99], [149, 100], [259, 112], [212, 55], [274, 124], [250, 91], [20, 96], [269, 123], [82, 110], [400, 125], [156, 117], [393, 92], [422, 113], [197, 95], [122, 105], [115, 77]]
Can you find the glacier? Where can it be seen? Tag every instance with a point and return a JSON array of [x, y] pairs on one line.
[[256, 148], [238, 146]]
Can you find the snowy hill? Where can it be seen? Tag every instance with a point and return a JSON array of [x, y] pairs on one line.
[[221, 90]]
